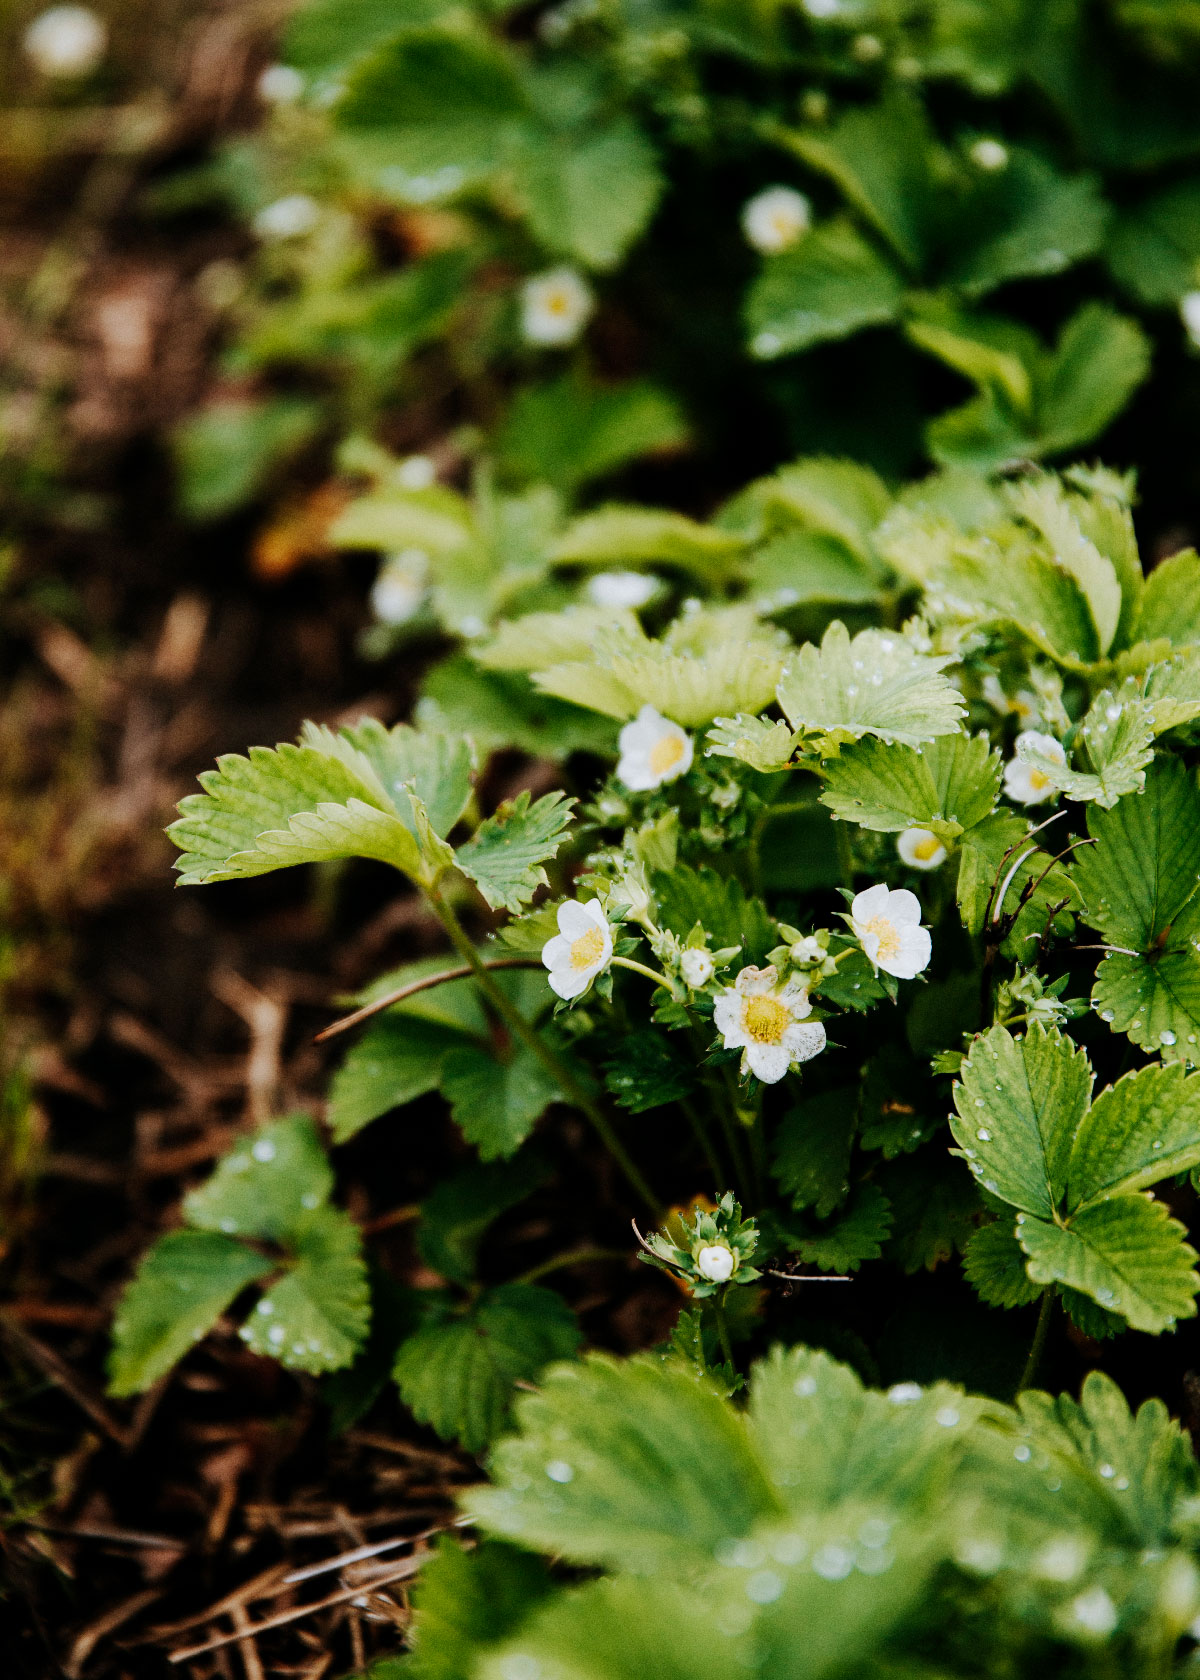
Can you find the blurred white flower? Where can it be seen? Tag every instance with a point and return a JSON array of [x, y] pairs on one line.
[[765, 1021], [621, 589], [887, 924], [822, 8], [696, 965], [416, 472], [1189, 313], [399, 589], [580, 950], [288, 217], [280, 84], [653, 751], [66, 41], [555, 306], [920, 848], [1023, 781], [774, 219], [867, 48], [989, 154], [715, 1263]]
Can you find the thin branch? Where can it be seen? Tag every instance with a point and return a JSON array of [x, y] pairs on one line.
[[360, 1553], [414, 986]]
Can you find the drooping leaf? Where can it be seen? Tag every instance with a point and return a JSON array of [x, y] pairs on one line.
[[618, 536], [1128, 1254], [947, 785], [1048, 508], [317, 1316], [504, 856], [266, 1184], [875, 684]]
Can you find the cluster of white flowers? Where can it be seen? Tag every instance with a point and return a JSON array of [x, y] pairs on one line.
[[288, 218], [766, 1022], [1023, 781], [580, 950], [556, 306], [774, 219], [653, 751], [66, 41], [886, 922]]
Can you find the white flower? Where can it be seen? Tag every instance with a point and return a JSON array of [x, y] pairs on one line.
[[416, 472], [653, 751], [775, 218], [887, 924], [696, 965], [989, 154], [555, 306], [1189, 314], [399, 589], [766, 1022], [581, 949], [807, 950], [621, 589], [715, 1263], [1023, 781], [280, 84], [288, 217], [1023, 704], [920, 848], [66, 41]]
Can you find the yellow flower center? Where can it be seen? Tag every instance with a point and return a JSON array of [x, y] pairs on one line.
[[556, 303], [665, 754], [1038, 780], [588, 948], [765, 1019], [927, 848], [887, 934]]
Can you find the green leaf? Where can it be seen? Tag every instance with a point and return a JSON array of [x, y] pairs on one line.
[[934, 1208], [466, 1602], [797, 567], [994, 1262], [761, 744], [455, 1003], [395, 1061], [997, 355], [538, 639], [575, 429], [812, 1151], [1172, 690], [1117, 738], [1018, 1107], [947, 786], [458, 1212], [650, 1468], [1048, 508], [504, 856], [633, 536], [876, 684], [457, 1375], [1023, 220], [1171, 602], [266, 1184], [1100, 360], [832, 283], [685, 896], [646, 1072], [226, 452], [318, 1314], [329, 33], [1154, 246], [1157, 1003], [1128, 1254], [496, 1104], [857, 1234], [999, 844], [589, 191], [1141, 1130], [437, 520], [439, 769], [502, 711], [177, 1294]]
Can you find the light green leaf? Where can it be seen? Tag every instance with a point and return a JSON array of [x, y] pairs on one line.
[[227, 451], [1154, 247], [812, 1151], [832, 283], [1012, 583], [496, 1104], [498, 710], [1128, 1254], [857, 1234], [947, 786], [575, 429], [589, 191], [617, 535], [1019, 1105], [1141, 1130], [457, 1375], [395, 1061], [460, 1209], [1100, 360], [800, 566], [1048, 508], [437, 520], [761, 744], [178, 1293], [538, 639], [439, 769], [818, 496], [876, 684], [504, 856], [1171, 603], [1172, 690], [994, 1262], [1117, 738], [993, 353], [318, 1314], [267, 1182]]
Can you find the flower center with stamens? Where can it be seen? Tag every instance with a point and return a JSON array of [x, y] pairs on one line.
[[887, 934], [1038, 780], [587, 949], [765, 1019], [556, 303], [665, 754]]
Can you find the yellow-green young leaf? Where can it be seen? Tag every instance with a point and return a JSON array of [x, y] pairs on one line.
[[992, 353], [266, 1184], [994, 1262], [650, 1468], [819, 496], [1018, 1105], [439, 769], [496, 1104], [1114, 746], [761, 744], [1171, 602], [575, 429], [395, 1061], [948, 785], [1128, 1254], [1049, 509], [438, 521], [177, 1294], [549, 638], [1172, 688], [799, 566], [1141, 1130], [457, 1375], [1003, 580], [635, 535], [504, 856], [832, 283], [318, 1314], [875, 684]]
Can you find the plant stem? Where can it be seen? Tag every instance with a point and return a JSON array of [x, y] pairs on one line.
[[723, 1328], [537, 1045], [576, 1257], [1039, 1342], [700, 1132], [640, 968], [414, 986]]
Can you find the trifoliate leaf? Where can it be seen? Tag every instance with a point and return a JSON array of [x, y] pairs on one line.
[[466, 1602], [1141, 1130], [947, 786], [455, 1215], [1128, 1254], [934, 1209], [832, 283], [457, 1375], [504, 856], [755, 741], [1171, 602], [576, 429], [812, 1151], [1116, 738], [1046, 506], [317, 1316], [858, 1233], [646, 1072], [395, 1061], [438, 768], [496, 1104], [266, 1184], [876, 684], [636, 535], [1019, 1105], [994, 1262], [622, 1441], [178, 1293], [299, 805]]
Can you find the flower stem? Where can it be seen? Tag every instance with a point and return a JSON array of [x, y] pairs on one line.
[[537, 1045], [575, 1257], [700, 1132], [723, 1328], [649, 973], [1039, 1342]]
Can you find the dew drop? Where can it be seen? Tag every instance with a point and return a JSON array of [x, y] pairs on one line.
[[983, 1135], [559, 1470], [1166, 1036], [1022, 1454]]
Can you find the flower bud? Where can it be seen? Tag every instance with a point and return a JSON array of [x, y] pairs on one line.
[[715, 1263]]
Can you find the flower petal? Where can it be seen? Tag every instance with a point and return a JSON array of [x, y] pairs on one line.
[[872, 902], [768, 1062], [805, 1040], [556, 952], [903, 907]]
